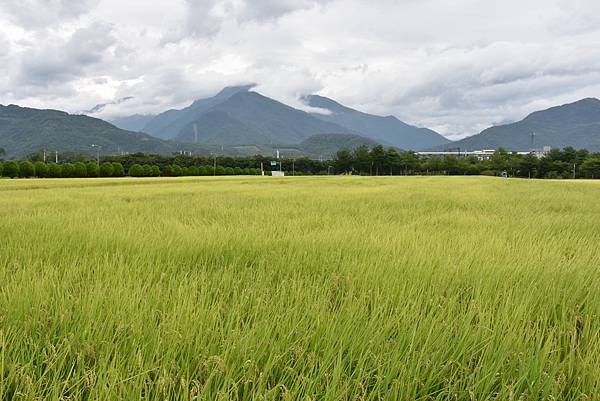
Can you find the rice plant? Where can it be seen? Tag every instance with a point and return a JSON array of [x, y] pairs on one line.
[[312, 288]]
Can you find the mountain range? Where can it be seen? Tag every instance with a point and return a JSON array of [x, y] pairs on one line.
[[240, 122], [575, 124], [237, 115]]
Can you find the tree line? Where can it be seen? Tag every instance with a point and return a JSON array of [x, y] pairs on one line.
[[558, 163], [39, 169]]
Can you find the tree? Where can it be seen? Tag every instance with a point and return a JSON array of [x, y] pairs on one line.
[[26, 169], [147, 170], [220, 170], [11, 169], [177, 170], [237, 171], [343, 161], [362, 158], [591, 166], [118, 170], [155, 171], [54, 170], [67, 170], [1, 168], [106, 169], [136, 170], [378, 159], [79, 170], [41, 169], [92, 169]]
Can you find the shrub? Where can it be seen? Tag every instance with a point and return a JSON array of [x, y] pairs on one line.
[[67, 170], [54, 170], [80, 170], [26, 169], [203, 170], [238, 171], [11, 169], [1, 168], [118, 170], [92, 169], [177, 170], [228, 171], [194, 171], [41, 169], [220, 170], [246, 171], [136, 171], [155, 171], [147, 170], [106, 170]]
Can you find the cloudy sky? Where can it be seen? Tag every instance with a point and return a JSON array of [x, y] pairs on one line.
[[455, 66]]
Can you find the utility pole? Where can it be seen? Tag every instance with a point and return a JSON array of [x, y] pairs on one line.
[[215, 165], [97, 153], [293, 167], [574, 171], [56, 156], [44, 155]]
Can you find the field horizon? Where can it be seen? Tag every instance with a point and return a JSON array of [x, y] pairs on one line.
[[299, 288]]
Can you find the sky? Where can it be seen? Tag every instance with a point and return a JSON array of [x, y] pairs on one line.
[[454, 66]]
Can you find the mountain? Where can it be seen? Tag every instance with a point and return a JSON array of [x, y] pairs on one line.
[[250, 118], [135, 123], [385, 130], [167, 125], [25, 130], [575, 124], [327, 145]]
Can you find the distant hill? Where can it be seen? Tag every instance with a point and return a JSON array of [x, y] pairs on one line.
[[575, 124], [25, 130], [135, 123], [327, 145], [250, 118], [385, 130]]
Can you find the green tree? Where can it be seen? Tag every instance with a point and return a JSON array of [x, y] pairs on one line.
[[220, 170], [1, 168], [106, 169], [92, 169], [54, 170], [147, 170], [79, 170], [343, 161], [11, 169], [26, 169], [118, 170], [204, 170], [41, 169], [177, 170], [378, 159], [136, 170], [229, 171], [591, 166], [68, 170], [155, 171], [362, 159]]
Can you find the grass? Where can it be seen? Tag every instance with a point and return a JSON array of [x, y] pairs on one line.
[[329, 288]]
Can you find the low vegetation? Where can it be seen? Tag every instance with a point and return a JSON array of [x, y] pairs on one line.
[[313, 288]]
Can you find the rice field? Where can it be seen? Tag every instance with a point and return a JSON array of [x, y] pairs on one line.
[[306, 288]]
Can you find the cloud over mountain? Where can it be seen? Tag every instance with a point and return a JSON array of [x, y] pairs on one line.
[[457, 67]]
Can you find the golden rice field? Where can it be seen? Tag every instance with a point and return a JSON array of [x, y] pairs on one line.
[[306, 288]]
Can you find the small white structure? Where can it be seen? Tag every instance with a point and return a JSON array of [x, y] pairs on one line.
[[278, 173]]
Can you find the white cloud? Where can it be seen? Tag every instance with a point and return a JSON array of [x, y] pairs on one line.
[[455, 66]]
